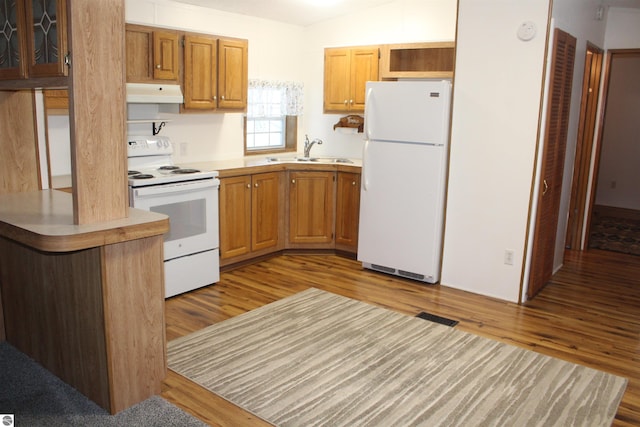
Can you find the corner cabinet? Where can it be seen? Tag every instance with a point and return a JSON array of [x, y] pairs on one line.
[[34, 43], [346, 72], [152, 54], [215, 73], [251, 212], [311, 209]]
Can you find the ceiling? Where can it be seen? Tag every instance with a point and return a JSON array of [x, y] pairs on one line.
[[296, 12], [309, 12]]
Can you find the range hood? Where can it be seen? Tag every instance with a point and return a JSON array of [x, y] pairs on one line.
[[154, 93]]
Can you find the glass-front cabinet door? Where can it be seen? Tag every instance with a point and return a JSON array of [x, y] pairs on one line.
[[47, 41], [12, 33]]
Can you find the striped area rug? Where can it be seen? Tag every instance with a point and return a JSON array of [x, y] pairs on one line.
[[319, 359]]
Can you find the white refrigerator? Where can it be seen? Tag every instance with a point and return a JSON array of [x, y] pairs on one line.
[[403, 177]]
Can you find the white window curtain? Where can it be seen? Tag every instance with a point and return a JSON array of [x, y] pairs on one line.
[[274, 99]]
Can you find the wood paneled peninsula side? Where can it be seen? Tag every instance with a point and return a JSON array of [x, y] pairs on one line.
[[85, 301]]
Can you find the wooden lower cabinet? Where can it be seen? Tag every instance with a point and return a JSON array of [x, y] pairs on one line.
[[263, 213], [251, 216], [347, 211], [311, 209]]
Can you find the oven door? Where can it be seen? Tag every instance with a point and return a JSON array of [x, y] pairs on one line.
[[192, 207]]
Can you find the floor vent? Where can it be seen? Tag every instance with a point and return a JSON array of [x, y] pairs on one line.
[[383, 268], [411, 275], [437, 319]]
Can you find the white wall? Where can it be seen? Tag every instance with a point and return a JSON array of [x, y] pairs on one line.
[[623, 29], [275, 52], [496, 105], [285, 52], [400, 21]]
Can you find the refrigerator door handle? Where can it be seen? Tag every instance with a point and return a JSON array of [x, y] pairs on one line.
[[365, 178], [367, 101]]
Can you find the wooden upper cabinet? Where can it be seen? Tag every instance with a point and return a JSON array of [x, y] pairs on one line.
[[232, 73], [417, 60], [34, 43], [346, 72], [46, 37], [200, 65], [12, 43], [213, 70], [165, 55], [336, 79], [152, 54], [215, 73]]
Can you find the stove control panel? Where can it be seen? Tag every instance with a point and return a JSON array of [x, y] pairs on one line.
[[148, 146]]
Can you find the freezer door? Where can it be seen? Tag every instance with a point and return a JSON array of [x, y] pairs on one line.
[[401, 207], [408, 111]]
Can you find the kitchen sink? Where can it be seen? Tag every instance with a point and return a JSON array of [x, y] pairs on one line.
[[341, 160], [308, 159]]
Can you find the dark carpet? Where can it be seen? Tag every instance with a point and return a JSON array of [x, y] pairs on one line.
[[611, 233], [35, 397]]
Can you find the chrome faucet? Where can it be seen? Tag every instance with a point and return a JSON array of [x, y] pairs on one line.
[[308, 145]]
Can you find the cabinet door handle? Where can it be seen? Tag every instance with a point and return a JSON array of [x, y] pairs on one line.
[[249, 186], [351, 101], [158, 66], [346, 102], [222, 97], [546, 187], [214, 97], [353, 183], [256, 185], [293, 181]]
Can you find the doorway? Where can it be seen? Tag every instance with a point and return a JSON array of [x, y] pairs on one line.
[[584, 147], [614, 208]]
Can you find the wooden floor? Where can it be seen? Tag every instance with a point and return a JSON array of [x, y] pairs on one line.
[[588, 314]]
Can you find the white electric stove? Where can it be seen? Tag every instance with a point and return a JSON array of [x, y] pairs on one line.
[[190, 198]]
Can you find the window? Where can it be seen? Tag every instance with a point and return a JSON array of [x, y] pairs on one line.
[[271, 121]]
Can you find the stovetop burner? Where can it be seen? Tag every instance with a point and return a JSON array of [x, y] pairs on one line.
[[129, 173], [142, 176], [185, 171], [168, 168]]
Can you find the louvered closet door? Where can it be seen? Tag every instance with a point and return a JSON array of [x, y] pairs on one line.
[[555, 143]]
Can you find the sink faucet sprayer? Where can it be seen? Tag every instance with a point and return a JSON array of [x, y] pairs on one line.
[[308, 145]]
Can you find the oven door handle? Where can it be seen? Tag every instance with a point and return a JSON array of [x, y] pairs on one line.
[[178, 187]]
